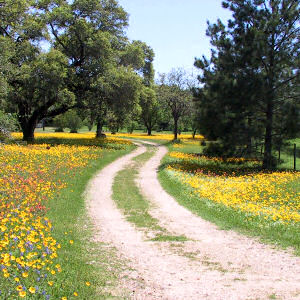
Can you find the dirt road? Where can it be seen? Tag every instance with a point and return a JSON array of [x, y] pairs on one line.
[[211, 264]]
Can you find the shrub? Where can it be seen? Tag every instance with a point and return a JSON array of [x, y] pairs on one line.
[[216, 149], [60, 123], [8, 123], [131, 126], [73, 121], [70, 120]]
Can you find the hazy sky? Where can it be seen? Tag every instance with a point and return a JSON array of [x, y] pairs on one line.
[[175, 29]]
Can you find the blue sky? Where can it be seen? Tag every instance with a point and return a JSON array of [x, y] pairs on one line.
[[175, 29]]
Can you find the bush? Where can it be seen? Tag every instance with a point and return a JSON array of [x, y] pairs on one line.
[[60, 123], [70, 119], [215, 149], [131, 126], [73, 121], [8, 123]]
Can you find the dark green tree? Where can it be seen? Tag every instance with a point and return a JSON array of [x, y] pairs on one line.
[[91, 33], [35, 80], [247, 82], [38, 90], [88, 32], [114, 97], [88, 37], [130, 59], [124, 95], [148, 101]]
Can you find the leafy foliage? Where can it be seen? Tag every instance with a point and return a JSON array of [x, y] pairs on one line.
[[8, 123], [175, 95]]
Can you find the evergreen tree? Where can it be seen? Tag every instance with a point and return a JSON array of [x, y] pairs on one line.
[[249, 78]]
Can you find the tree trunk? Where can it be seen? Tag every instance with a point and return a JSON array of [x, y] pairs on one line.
[[99, 129], [194, 133], [268, 162], [268, 159], [249, 138], [149, 130], [175, 128], [91, 122], [28, 127]]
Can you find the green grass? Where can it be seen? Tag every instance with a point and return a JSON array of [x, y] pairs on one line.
[[129, 199], [287, 155], [133, 204], [169, 238], [84, 260], [226, 218]]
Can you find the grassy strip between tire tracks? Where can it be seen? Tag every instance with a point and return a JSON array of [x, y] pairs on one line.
[[135, 207]]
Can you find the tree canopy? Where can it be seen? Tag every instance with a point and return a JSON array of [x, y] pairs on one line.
[[88, 53]]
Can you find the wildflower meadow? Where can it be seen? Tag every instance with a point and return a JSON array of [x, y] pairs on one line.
[[31, 178], [235, 192]]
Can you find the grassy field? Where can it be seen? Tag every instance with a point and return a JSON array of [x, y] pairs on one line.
[[45, 246]]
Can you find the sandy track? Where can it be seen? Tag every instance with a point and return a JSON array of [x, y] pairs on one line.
[[226, 265]]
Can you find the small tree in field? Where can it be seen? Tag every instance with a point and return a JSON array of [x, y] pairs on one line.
[[175, 95], [73, 121]]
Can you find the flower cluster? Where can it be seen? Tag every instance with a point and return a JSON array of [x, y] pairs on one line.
[[161, 136], [270, 195]]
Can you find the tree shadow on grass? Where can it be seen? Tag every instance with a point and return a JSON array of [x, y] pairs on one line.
[[100, 142], [212, 168]]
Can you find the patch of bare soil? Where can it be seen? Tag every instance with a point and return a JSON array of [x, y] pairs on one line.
[[214, 264]]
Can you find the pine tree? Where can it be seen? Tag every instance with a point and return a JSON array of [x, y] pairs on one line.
[[254, 65]]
